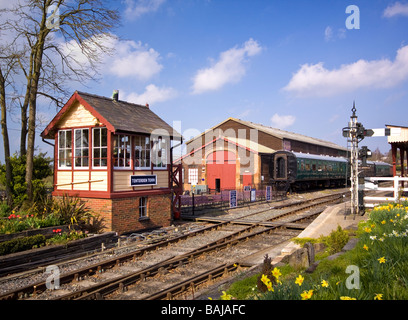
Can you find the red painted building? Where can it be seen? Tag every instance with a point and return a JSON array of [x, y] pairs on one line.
[[115, 156]]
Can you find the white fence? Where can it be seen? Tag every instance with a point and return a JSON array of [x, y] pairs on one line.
[[397, 189]]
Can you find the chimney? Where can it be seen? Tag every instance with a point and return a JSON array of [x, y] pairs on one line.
[[115, 95], [147, 105]]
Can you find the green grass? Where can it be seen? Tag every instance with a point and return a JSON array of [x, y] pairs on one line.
[[376, 268]]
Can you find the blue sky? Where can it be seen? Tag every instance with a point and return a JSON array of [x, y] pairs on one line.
[[291, 64]]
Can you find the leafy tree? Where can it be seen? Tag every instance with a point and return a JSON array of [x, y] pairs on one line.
[[42, 169]]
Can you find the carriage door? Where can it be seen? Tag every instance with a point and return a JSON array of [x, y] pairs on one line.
[[280, 167]]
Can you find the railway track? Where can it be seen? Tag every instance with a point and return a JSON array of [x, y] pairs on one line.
[[185, 262]]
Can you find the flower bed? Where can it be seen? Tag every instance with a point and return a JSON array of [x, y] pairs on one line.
[[377, 268]]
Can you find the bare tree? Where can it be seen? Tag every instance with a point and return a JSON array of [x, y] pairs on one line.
[[56, 36]]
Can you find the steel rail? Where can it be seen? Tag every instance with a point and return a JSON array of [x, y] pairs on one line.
[[98, 267]]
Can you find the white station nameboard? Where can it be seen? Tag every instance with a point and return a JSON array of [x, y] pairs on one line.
[[145, 180]]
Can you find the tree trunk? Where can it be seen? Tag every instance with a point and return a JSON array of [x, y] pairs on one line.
[[4, 132], [38, 50]]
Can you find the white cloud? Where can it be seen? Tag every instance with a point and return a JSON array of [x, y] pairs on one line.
[[396, 9], [282, 122], [129, 58], [132, 59], [230, 68], [328, 33], [135, 9], [151, 95], [316, 80]]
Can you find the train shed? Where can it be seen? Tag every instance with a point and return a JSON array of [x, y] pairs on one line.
[[115, 156], [234, 154]]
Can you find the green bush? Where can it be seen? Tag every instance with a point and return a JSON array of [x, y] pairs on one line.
[[42, 169], [336, 240], [21, 244]]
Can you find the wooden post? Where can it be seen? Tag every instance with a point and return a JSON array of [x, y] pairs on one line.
[[394, 159]]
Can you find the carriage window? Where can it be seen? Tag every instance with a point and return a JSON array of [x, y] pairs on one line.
[[313, 167], [280, 168]]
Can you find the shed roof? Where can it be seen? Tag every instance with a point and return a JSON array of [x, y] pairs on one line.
[[281, 134], [117, 115]]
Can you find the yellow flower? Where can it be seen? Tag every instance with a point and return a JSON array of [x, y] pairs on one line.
[[382, 260], [270, 287], [276, 273], [265, 279], [365, 247], [225, 296], [383, 222], [299, 280], [306, 294], [325, 284], [367, 229], [347, 298], [378, 296]]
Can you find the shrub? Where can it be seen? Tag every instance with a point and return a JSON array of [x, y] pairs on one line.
[[336, 240], [71, 210], [21, 244], [42, 169]]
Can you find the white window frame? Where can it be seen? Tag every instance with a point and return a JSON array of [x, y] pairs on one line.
[[193, 176], [65, 149], [117, 138], [144, 149], [82, 148], [159, 153], [100, 147], [143, 214]]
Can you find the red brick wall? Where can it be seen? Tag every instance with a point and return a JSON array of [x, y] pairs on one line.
[[122, 215]]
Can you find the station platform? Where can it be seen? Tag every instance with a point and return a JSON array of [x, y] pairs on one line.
[[323, 225]]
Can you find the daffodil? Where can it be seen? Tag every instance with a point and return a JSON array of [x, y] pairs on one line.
[[265, 280], [365, 247], [276, 273], [325, 284], [347, 298], [225, 296], [378, 296], [299, 280], [382, 260], [383, 222], [306, 295]]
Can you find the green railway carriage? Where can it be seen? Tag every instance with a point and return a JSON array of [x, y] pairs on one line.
[[303, 170], [317, 169]]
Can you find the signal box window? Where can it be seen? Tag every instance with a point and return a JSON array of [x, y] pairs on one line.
[[143, 208]]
